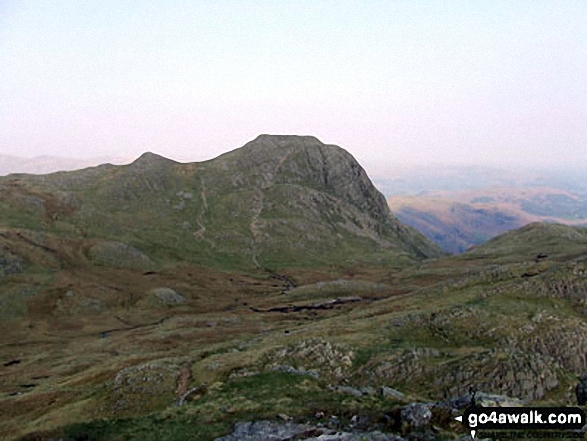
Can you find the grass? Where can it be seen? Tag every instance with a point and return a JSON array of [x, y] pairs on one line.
[[453, 318], [263, 396]]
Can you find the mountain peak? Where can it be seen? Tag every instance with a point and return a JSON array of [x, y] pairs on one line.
[[150, 159], [288, 139]]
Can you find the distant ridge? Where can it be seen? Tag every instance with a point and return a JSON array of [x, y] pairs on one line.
[[50, 164]]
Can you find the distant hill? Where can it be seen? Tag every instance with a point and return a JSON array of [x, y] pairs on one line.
[[535, 241], [412, 180], [50, 164], [459, 220]]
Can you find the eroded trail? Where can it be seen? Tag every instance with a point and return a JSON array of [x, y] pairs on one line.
[[258, 201], [200, 217]]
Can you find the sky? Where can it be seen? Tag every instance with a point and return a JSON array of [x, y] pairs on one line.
[[447, 82]]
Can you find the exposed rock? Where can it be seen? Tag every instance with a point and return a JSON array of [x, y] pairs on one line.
[[119, 255], [145, 387], [291, 370], [10, 263], [90, 305], [284, 431], [164, 296], [492, 400], [405, 364], [562, 339], [326, 196], [368, 391], [329, 360], [416, 416], [266, 431], [525, 375], [349, 390], [388, 392]]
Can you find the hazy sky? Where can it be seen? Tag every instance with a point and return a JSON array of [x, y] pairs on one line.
[[493, 82]]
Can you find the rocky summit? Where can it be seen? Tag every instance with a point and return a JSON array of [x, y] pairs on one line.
[[268, 294]]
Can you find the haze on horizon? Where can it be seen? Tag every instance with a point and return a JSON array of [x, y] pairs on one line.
[[488, 82]]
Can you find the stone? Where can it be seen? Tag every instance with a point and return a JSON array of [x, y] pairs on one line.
[[10, 263], [291, 370], [388, 392], [416, 415], [166, 296], [368, 390], [119, 255], [265, 431], [350, 391], [282, 431], [492, 400]]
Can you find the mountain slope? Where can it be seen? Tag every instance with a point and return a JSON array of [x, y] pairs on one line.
[[278, 201]]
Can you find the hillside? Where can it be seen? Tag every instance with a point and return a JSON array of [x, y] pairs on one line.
[[459, 220], [161, 300], [110, 353], [276, 202]]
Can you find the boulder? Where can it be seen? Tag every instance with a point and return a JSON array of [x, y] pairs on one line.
[[416, 416], [164, 296], [144, 387], [265, 431], [119, 255], [281, 431], [388, 392], [10, 263]]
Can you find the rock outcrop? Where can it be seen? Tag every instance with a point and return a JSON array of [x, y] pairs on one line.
[[10, 263], [119, 255]]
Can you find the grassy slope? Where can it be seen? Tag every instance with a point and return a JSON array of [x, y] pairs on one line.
[[429, 330]]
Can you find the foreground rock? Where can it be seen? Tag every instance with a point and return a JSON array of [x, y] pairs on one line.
[[414, 421], [274, 431]]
